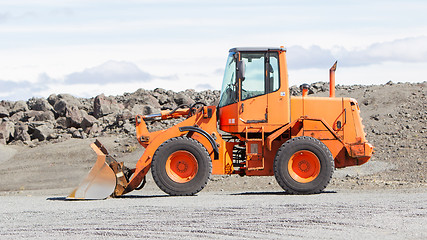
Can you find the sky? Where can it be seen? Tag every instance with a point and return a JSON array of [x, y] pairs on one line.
[[86, 48]]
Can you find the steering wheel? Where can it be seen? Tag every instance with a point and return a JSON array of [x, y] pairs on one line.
[[193, 109]]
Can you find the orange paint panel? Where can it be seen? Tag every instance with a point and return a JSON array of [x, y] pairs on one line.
[[327, 109], [313, 126], [337, 150], [254, 155], [296, 108], [252, 109], [229, 118], [321, 135], [224, 165], [268, 161], [278, 101]]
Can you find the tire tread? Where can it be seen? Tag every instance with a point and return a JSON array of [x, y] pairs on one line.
[[309, 140], [155, 170]]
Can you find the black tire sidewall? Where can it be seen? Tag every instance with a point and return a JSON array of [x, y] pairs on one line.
[[285, 153], [168, 185]]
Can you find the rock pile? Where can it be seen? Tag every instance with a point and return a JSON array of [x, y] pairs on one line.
[[63, 116]]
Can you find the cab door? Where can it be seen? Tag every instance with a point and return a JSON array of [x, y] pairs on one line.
[[278, 91], [252, 106]]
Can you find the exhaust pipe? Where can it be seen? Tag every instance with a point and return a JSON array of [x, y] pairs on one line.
[[332, 80]]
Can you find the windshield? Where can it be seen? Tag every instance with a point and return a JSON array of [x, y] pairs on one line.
[[229, 86]]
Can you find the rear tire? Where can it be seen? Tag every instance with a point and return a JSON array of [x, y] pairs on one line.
[[181, 166], [303, 165]]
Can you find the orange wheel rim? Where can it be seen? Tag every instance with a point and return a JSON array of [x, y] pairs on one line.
[[181, 166], [304, 166]]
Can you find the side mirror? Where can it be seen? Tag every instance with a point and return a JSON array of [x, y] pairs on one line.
[[241, 70]]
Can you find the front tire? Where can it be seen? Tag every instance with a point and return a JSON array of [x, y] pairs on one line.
[[303, 165], [181, 166]]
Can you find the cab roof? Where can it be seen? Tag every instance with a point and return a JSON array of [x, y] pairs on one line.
[[257, 49]]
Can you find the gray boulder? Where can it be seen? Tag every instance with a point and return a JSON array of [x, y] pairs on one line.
[[163, 99], [94, 130], [39, 104], [78, 133], [19, 116], [108, 120], [41, 130], [52, 99], [319, 87], [103, 106], [21, 132], [7, 131], [3, 112], [64, 102], [141, 96], [169, 106], [74, 116], [128, 127], [61, 107], [144, 109], [33, 115], [61, 123], [126, 114], [87, 122], [30, 115], [6, 104], [44, 116], [19, 106], [160, 90], [182, 98], [70, 99]]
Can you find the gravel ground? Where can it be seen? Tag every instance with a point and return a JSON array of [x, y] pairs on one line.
[[220, 215]]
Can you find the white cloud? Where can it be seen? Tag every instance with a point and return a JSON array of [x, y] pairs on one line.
[[10, 90], [401, 50], [109, 72], [62, 11], [4, 16], [364, 75], [111, 77], [313, 57], [204, 86], [407, 50]]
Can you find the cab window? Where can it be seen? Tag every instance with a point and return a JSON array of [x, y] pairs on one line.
[[261, 74], [273, 72], [253, 84]]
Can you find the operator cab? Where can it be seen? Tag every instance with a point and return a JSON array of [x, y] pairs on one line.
[[254, 91]]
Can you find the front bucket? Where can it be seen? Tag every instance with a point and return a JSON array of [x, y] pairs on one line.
[[101, 181]]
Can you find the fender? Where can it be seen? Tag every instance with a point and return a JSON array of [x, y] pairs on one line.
[[204, 134]]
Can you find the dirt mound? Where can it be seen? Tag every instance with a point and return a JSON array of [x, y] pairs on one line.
[[395, 119], [44, 149]]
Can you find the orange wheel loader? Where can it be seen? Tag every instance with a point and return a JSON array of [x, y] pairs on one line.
[[257, 129]]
